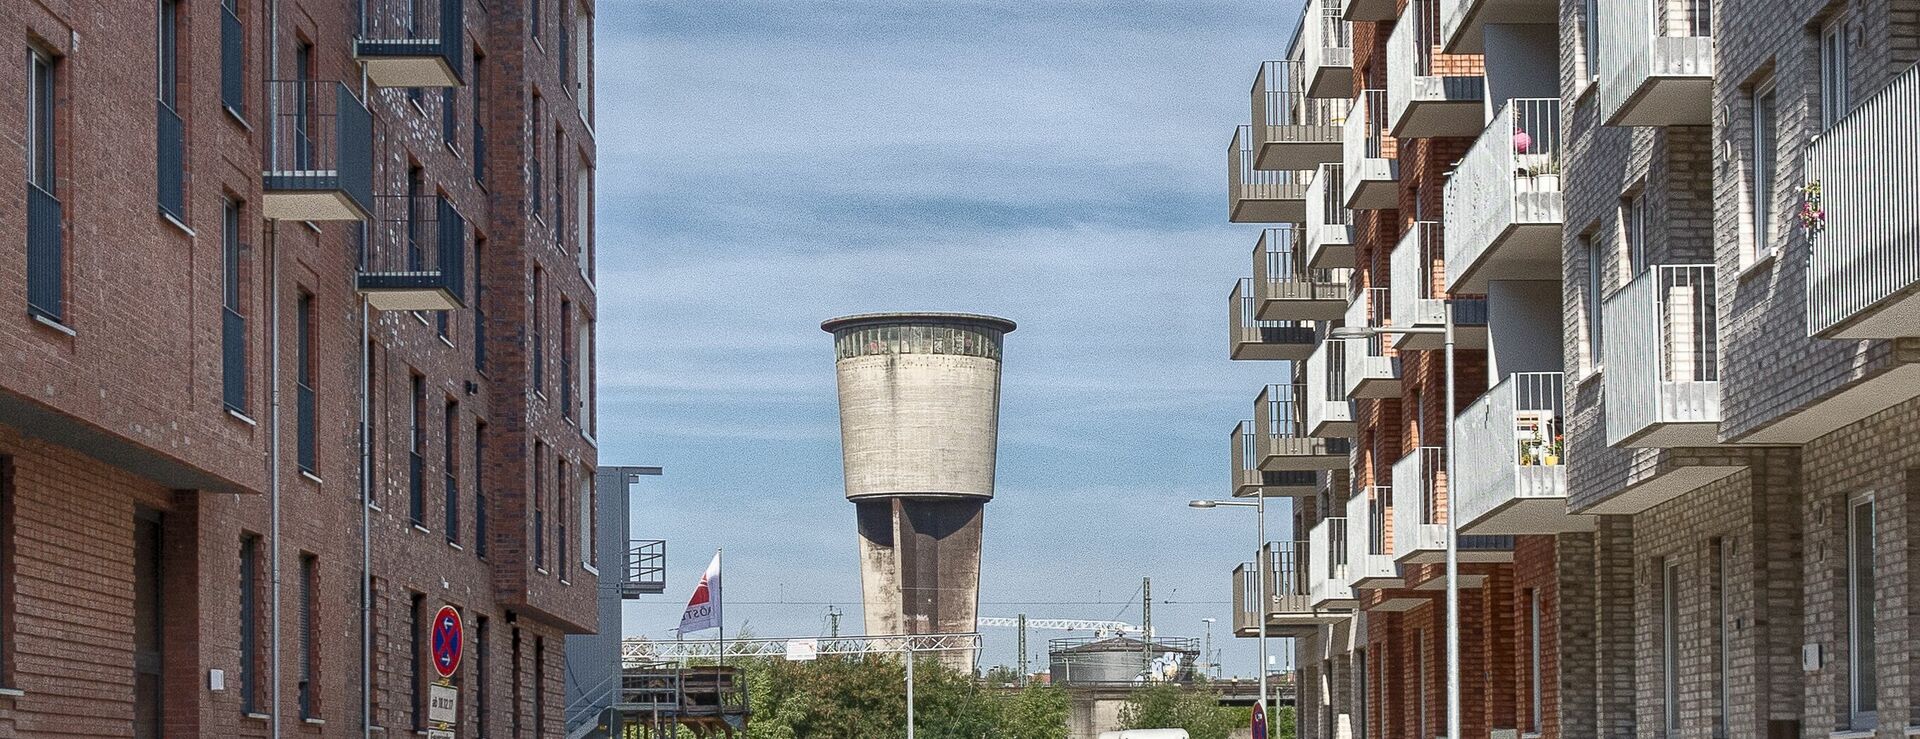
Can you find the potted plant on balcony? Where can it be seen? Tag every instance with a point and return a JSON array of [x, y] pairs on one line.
[[1555, 449]]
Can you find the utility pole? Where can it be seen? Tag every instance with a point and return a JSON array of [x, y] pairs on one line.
[[1024, 669], [1146, 621], [833, 622]]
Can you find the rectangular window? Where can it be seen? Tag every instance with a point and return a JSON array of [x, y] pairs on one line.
[[1535, 661], [450, 117], [583, 218], [1596, 293], [533, 17], [539, 334], [583, 58], [249, 624], [149, 622], [560, 189], [1361, 687], [1723, 603], [561, 479], [483, 676], [515, 694], [1835, 98], [539, 198], [416, 444], [1421, 708], [479, 117], [583, 368], [309, 628], [417, 660], [1590, 37], [306, 408], [1670, 642], [479, 308], [6, 571], [1863, 684], [540, 505], [233, 54], [171, 167], [370, 463], [589, 520], [1633, 232], [450, 466], [479, 490], [233, 323], [1760, 189], [46, 250], [566, 359]]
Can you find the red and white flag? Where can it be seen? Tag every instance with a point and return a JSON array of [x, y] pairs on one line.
[[703, 609]]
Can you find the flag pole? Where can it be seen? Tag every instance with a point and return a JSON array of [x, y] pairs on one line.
[[720, 603]]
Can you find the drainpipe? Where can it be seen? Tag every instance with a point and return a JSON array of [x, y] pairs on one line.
[[273, 342]]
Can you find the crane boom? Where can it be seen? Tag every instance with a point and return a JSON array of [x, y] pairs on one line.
[[1061, 624]]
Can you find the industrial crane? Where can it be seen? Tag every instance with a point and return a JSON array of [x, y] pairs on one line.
[[1100, 629]]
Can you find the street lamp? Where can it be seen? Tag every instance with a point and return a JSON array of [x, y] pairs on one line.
[[1206, 650], [1259, 505], [1453, 531]]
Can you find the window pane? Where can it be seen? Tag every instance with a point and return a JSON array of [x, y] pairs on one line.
[[1861, 611]]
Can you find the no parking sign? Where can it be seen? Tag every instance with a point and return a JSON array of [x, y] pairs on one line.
[[449, 635]]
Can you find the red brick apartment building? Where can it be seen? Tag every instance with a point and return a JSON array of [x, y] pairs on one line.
[[299, 312]]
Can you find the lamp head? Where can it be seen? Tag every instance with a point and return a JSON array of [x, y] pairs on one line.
[[1202, 504]]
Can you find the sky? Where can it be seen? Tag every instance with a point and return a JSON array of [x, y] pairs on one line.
[[767, 165]]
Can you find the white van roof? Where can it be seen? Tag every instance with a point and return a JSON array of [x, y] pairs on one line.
[[1145, 734]]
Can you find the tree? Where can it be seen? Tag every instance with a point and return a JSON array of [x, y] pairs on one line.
[[865, 698], [1194, 708]]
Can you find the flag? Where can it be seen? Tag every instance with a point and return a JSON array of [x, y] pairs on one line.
[[1259, 721], [703, 609]]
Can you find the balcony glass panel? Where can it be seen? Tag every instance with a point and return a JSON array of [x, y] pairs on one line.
[[1662, 351], [1656, 62], [1327, 44], [1370, 171], [1503, 205], [1259, 195], [1863, 272], [1293, 131], [1431, 94], [1329, 222], [1513, 481]]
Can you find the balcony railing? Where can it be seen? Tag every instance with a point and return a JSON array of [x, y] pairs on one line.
[[1279, 419], [1329, 222], [1369, 10], [646, 568], [1656, 63], [1259, 195], [1373, 367], [306, 428], [1329, 412], [1249, 481], [416, 489], [1331, 574], [1370, 172], [1662, 347], [233, 80], [1291, 130], [1253, 338], [1326, 43], [1426, 98], [1420, 515], [1463, 21], [410, 43], [319, 163], [451, 489], [1246, 602], [1417, 271], [46, 255], [172, 161], [233, 359], [1370, 539], [1287, 288], [1504, 212], [1289, 608], [1863, 271], [1512, 479], [415, 255]]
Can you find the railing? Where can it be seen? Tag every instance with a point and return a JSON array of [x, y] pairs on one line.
[[1369, 550], [452, 490], [1413, 77], [646, 568], [479, 151], [1866, 257], [1279, 416], [1245, 183], [397, 29], [1370, 153], [1248, 447], [1246, 329], [1280, 261], [1283, 113], [46, 254], [1511, 441], [1329, 412], [1372, 358], [1329, 568], [307, 429], [480, 533], [418, 243], [171, 174], [416, 489], [1246, 602], [1509, 180], [1418, 520], [233, 91], [1641, 47], [319, 139], [1329, 221], [1662, 352], [233, 359], [1415, 266], [1327, 47], [690, 691]]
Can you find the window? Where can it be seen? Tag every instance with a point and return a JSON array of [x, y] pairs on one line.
[[539, 505], [583, 373], [370, 462], [559, 189], [46, 257], [1760, 188], [6, 571], [1535, 662], [309, 629], [1633, 233], [479, 307], [450, 439], [566, 359], [539, 334], [249, 624], [513, 683], [1863, 690], [1835, 98], [417, 660], [539, 685], [589, 521], [479, 117], [303, 385], [583, 58], [1723, 603], [533, 17], [1596, 293], [483, 672], [1423, 707], [560, 485], [416, 440], [149, 619], [171, 165], [583, 219], [479, 490], [1360, 693], [1590, 37], [1670, 642], [450, 117], [539, 196], [233, 323], [233, 54]]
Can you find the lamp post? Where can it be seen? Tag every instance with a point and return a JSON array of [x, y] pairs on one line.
[[1453, 529], [1259, 505]]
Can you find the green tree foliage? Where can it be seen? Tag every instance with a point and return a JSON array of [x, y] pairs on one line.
[[1194, 708], [865, 698]]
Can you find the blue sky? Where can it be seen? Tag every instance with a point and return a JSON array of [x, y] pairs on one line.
[[766, 165]]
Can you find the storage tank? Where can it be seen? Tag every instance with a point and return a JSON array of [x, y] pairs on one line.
[[1121, 660]]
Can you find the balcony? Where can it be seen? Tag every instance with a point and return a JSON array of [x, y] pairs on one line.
[[1656, 68], [1328, 565], [1462, 22], [319, 153], [1291, 130], [1259, 195], [1282, 443], [1290, 607], [410, 43], [1371, 168], [1503, 206], [1329, 222], [1249, 481], [1420, 517], [1370, 539], [1513, 481], [1373, 368], [1863, 272], [1326, 43], [1253, 338], [1366, 10], [1285, 287], [1661, 350], [1424, 99], [1329, 412], [1416, 271], [646, 568], [415, 255]]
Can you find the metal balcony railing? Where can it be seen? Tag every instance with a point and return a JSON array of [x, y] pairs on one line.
[[1329, 222], [1370, 170], [1258, 195], [1662, 350], [319, 159], [1656, 63], [46, 255], [1417, 271], [1291, 130], [1427, 99], [171, 165], [233, 359], [646, 568], [1286, 287], [1329, 413], [306, 427], [414, 43], [1513, 480], [1863, 269], [1254, 338], [1248, 450], [416, 489], [1246, 602], [1503, 205], [1331, 573], [1370, 541], [1327, 48], [415, 256], [1280, 419], [1419, 525], [451, 488], [1373, 366]]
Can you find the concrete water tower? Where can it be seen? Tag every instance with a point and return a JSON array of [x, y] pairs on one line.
[[919, 422]]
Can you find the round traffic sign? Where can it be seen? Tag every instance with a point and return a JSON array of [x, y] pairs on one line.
[[449, 635]]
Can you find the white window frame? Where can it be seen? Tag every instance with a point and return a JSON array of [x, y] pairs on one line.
[[1860, 625], [1765, 155], [1836, 98], [1590, 39], [1633, 232], [1591, 318]]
